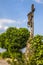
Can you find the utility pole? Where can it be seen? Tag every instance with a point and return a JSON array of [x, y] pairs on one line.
[[31, 26]]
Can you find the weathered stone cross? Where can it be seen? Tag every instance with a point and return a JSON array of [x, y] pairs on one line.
[[31, 26]]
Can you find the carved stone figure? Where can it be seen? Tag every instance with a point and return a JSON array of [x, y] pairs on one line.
[[31, 25], [31, 20]]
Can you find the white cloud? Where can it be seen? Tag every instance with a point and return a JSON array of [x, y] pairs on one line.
[[6, 27], [39, 1], [3, 27], [9, 21], [6, 21], [0, 26]]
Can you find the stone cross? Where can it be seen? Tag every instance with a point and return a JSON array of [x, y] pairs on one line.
[[31, 21], [31, 26]]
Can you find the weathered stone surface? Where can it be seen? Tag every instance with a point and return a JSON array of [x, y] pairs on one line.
[[3, 62]]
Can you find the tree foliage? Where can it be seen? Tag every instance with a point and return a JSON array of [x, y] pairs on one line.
[[13, 40], [37, 48]]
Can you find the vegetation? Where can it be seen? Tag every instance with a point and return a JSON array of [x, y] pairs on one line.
[[15, 39], [37, 46]]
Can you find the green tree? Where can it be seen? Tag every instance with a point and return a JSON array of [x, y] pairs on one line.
[[37, 48], [2, 40], [13, 40]]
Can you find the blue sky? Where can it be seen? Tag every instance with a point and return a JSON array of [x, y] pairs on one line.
[[14, 13]]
